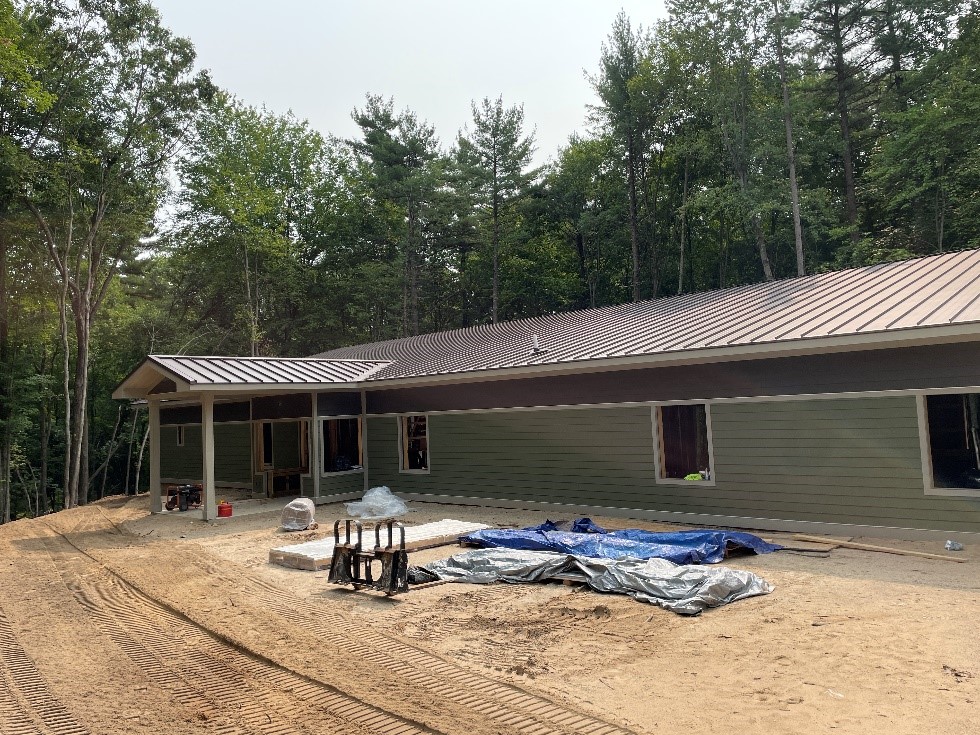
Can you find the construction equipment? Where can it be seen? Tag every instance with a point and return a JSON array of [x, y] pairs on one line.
[[352, 565]]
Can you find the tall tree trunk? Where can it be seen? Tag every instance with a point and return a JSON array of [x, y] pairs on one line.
[[495, 235], [139, 460], [129, 451], [841, 79], [680, 268], [69, 501], [6, 382], [631, 164], [794, 190]]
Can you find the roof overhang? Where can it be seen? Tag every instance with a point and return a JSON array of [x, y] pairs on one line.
[[175, 378]]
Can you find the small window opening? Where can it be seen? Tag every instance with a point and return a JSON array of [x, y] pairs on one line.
[[683, 433], [954, 439], [415, 443], [342, 449]]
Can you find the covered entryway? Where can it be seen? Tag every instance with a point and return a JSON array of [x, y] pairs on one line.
[[248, 422]]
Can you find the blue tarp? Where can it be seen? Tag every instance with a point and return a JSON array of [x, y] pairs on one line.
[[585, 538]]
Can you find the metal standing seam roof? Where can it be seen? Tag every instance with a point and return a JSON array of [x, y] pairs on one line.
[[229, 371], [935, 291]]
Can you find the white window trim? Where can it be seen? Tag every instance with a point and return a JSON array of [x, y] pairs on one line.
[[926, 455], [322, 455], [655, 425], [401, 449]]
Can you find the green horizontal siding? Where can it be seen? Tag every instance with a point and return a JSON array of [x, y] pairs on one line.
[[341, 483], [841, 461], [232, 453], [183, 463]]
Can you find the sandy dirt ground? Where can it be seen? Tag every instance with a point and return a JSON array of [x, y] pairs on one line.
[[115, 621]]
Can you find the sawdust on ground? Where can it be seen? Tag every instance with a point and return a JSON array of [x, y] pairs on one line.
[[849, 642]]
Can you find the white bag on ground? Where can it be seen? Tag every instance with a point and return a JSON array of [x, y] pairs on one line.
[[378, 502], [298, 515]]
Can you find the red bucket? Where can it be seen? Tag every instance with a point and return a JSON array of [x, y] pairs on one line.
[[224, 510]]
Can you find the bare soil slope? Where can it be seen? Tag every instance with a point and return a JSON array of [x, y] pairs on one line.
[[115, 621]]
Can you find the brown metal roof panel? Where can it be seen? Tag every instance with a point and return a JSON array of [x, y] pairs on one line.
[[847, 297], [919, 311], [807, 305], [888, 304], [186, 369], [961, 287]]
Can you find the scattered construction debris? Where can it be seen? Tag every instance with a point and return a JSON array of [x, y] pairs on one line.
[[316, 555], [881, 549]]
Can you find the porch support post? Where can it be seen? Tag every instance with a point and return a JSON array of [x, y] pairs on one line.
[[314, 449], [207, 437], [156, 499], [364, 441]]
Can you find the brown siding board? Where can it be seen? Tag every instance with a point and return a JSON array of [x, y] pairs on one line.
[[289, 406], [933, 366]]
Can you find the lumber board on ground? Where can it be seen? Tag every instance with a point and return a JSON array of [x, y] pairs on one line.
[[881, 549]]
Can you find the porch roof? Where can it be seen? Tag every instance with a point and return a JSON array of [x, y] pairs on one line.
[[179, 374]]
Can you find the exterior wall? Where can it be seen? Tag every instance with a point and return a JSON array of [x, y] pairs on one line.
[[232, 453], [341, 483], [853, 461], [936, 366]]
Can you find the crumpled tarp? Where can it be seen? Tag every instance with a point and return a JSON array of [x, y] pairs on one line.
[[685, 590], [585, 538]]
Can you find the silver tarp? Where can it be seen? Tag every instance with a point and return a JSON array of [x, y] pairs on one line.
[[686, 590]]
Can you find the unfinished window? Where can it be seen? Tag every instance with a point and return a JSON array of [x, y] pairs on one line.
[[414, 444], [266, 444], [954, 440], [180, 436], [682, 435], [341, 445]]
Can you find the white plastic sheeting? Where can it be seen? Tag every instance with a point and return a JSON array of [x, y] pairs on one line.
[[378, 502], [686, 590]]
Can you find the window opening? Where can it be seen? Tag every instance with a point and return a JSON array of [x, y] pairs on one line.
[[415, 443], [683, 431], [342, 445], [180, 436], [954, 439], [266, 444]]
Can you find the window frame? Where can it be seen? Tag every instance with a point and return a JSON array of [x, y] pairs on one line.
[[402, 424], [321, 420], [656, 422], [925, 451]]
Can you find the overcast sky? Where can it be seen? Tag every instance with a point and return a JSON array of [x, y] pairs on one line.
[[319, 58]]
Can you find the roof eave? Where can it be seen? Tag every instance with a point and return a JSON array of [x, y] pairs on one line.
[[785, 348]]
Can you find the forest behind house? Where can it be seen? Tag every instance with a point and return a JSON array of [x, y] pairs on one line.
[[145, 210]]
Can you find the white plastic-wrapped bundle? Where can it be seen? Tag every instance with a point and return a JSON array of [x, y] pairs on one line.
[[378, 502], [298, 515]]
